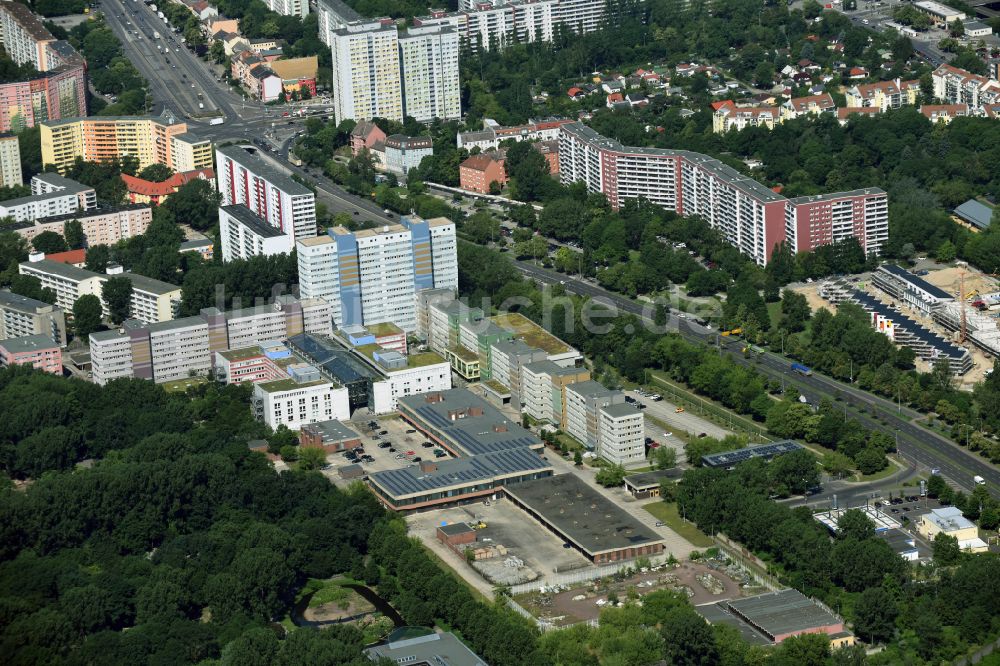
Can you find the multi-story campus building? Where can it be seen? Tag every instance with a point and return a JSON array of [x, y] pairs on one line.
[[10, 162], [175, 349], [602, 420], [247, 180], [21, 316], [244, 234], [403, 153], [51, 195], [728, 116], [372, 276], [302, 398], [378, 72], [749, 215], [103, 138], [152, 300], [428, 57], [100, 226], [36, 351]]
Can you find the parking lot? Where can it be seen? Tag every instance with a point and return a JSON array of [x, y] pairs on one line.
[[398, 447]]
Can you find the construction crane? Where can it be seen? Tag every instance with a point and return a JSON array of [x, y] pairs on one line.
[[962, 329]]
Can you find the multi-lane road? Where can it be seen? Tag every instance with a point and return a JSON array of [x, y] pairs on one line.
[[916, 444]]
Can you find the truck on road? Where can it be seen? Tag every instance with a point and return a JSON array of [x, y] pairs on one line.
[[216, 121], [801, 369], [156, 35], [980, 481]]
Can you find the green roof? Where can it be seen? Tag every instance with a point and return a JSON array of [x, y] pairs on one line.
[[531, 333], [463, 353], [421, 360], [288, 384], [383, 329], [241, 354]]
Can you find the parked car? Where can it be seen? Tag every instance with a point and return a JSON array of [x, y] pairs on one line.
[[427, 445]]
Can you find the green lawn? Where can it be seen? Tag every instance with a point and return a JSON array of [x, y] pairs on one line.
[[878, 476], [774, 312], [667, 513]]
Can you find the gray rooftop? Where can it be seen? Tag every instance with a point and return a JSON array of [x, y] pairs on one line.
[[467, 422], [975, 213], [437, 649], [516, 347], [343, 12], [946, 518], [590, 389], [783, 612], [28, 343], [332, 431], [12, 301], [716, 613], [411, 480], [868, 191], [551, 368], [258, 166], [581, 514], [916, 281], [175, 324], [196, 243], [652, 479], [766, 451], [621, 409], [252, 221], [66, 271]]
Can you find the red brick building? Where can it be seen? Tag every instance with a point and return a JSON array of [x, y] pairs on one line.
[[479, 171]]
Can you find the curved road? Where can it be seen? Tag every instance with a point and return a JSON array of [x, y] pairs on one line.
[[915, 444]]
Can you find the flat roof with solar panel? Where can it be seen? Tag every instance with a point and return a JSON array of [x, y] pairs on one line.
[[465, 423], [766, 451]]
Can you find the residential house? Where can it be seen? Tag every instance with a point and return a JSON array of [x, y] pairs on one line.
[[479, 172], [813, 104], [944, 113]]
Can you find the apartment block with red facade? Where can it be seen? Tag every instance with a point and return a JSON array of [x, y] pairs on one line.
[[247, 180], [366, 134], [37, 351], [749, 215], [828, 218]]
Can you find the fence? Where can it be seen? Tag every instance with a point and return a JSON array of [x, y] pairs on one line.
[[749, 562], [582, 575]]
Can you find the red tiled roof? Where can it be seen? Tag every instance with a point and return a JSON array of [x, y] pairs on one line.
[[481, 161], [71, 257], [150, 189]]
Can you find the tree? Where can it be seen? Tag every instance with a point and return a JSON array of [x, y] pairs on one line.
[[73, 233], [794, 472], [86, 315], [946, 252], [664, 457], [956, 28], [528, 172], [688, 639], [610, 476], [156, 172], [945, 550], [870, 460], [875, 615], [311, 457], [836, 464], [853, 524], [49, 242], [117, 295]]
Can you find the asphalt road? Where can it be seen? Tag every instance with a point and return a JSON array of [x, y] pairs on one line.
[[916, 444]]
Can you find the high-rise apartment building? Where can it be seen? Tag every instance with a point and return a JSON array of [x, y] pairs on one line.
[[372, 276], [51, 195], [10, 162], [366, 74], [103, 138], [24, 37], [244, 234], [378, 72], [749, 215], [169, 350], [298, 8], [247, 180], [332, 15], [21, 316], [429, 60]]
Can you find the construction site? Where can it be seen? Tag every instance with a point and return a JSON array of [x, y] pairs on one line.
[[949, 313]]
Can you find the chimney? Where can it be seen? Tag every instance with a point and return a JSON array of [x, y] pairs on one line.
[[36, 257], [114, 269]]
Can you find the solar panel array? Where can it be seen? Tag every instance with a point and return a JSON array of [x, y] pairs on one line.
[[730, 458], [916, 281], [459, 471], [474, 434], [338, 362], [872, 304]]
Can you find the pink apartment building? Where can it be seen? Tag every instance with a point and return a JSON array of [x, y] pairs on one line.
[[37, 351]]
